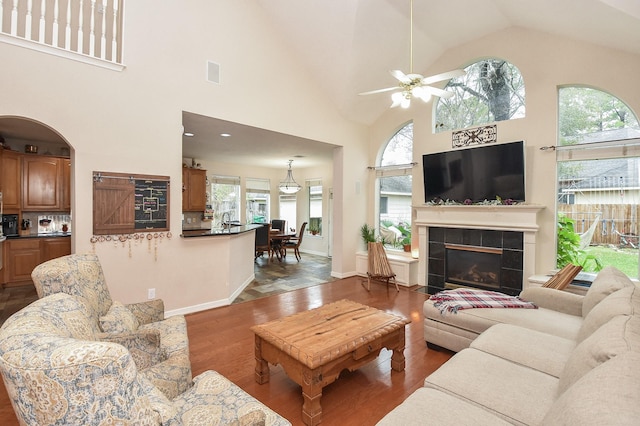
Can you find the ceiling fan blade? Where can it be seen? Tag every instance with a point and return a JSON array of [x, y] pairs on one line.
[[444, 76], [400, 76], [372, 92], [438, 92]]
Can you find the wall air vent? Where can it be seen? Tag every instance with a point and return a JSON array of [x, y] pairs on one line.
[[213, 72]]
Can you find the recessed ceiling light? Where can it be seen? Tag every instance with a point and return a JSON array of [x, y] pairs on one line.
[[225, 135], [189, 134]]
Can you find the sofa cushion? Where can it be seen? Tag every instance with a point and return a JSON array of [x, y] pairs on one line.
[[622, 302], [607, 395], [608, 281], [144, 346], [619, 335], [118, 319], [215, 400], [478, 320], [428, 406], [487, 381], [526, 347]]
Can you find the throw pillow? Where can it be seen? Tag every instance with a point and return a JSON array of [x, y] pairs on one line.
[[118, 319], [619, 335], [608, 281], [607, 395], [623, 302]]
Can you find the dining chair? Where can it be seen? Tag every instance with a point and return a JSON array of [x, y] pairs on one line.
[[379, 267], [263, 241], [294, 243], [279, 224]]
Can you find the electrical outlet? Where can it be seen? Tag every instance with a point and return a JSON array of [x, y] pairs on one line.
[[151, 293]]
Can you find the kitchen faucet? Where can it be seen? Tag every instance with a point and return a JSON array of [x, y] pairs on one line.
[[226, 225]]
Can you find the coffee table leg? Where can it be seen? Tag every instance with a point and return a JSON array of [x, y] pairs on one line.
[[311, 394], [397, 359], [262, 366]]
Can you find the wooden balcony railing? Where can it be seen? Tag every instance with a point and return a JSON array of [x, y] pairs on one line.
[[90, 28]]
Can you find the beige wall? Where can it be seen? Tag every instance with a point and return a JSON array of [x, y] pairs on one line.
[[546, 62], [130, 122]]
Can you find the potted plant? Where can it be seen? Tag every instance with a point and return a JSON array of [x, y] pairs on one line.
[[368, 234], [314, 229], [406, 243]]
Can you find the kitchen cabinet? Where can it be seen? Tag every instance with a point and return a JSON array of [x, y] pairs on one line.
[[52, 248], [11, 172], [194, 190], [21, 255], [42, 183]]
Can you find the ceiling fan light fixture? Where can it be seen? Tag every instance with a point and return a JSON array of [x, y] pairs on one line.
[[422, 93], [289, 185]]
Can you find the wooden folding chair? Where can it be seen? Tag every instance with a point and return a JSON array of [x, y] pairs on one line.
[[379, 267], [563, 277]]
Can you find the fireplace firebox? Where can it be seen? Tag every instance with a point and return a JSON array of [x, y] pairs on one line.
[[472, 266], [479, 258]]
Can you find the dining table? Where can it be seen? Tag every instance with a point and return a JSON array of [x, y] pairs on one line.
[[278, 240]]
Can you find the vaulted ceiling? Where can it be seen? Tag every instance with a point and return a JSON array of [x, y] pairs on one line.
[[350, 45]]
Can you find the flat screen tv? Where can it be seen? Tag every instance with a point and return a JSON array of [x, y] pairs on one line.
[[476, 174]]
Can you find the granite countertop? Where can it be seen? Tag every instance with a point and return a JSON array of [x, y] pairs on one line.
[[45, 235], [233, 230]]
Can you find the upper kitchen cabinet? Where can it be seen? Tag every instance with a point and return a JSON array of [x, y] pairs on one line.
[[10, 183], [194, 190], [43, 184]]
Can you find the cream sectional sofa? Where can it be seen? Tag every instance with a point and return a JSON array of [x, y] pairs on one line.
[[573, 361]]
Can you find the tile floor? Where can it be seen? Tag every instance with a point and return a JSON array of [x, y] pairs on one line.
[[274, 277]]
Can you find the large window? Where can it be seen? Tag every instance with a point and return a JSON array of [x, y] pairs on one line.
[[225, 198], [288, 207], [598, 181], [394, 189], [258, 200], [491, 90], [314, 188]]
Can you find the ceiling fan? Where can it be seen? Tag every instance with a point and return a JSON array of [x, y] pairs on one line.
[[412, 84]]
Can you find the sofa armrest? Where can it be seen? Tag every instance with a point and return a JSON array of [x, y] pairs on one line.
[[557, 300], [147, 312], [144, 346]]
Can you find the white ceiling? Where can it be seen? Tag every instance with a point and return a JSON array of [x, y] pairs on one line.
[[350, 45]]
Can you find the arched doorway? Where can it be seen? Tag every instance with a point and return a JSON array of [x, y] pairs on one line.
[[36, 187]]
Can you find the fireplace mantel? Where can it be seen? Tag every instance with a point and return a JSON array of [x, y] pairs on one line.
[[520, 218]]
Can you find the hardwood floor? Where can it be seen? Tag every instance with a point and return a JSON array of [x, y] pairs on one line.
[[220, 339]]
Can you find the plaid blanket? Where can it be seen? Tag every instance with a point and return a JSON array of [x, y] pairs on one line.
[[466, 298]]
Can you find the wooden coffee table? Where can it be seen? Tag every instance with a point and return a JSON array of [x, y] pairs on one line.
[[314, 346]]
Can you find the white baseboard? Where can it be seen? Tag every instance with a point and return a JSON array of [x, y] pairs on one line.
[[212, 304]]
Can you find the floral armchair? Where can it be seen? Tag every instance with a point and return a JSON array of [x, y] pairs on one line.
[[57, 371], [159, 346]]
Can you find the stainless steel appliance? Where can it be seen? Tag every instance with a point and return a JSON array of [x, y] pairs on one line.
[[10, 225]]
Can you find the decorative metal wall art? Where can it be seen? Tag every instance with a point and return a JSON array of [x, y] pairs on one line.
[[478, 135]]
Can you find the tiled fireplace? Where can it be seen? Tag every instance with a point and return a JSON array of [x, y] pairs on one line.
[[486, 247], [479, 258]]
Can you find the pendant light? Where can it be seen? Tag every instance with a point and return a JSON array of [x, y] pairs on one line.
[[289, 185]]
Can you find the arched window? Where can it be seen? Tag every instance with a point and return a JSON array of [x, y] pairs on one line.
[[394, 188], [598, 163], [491, 90]]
